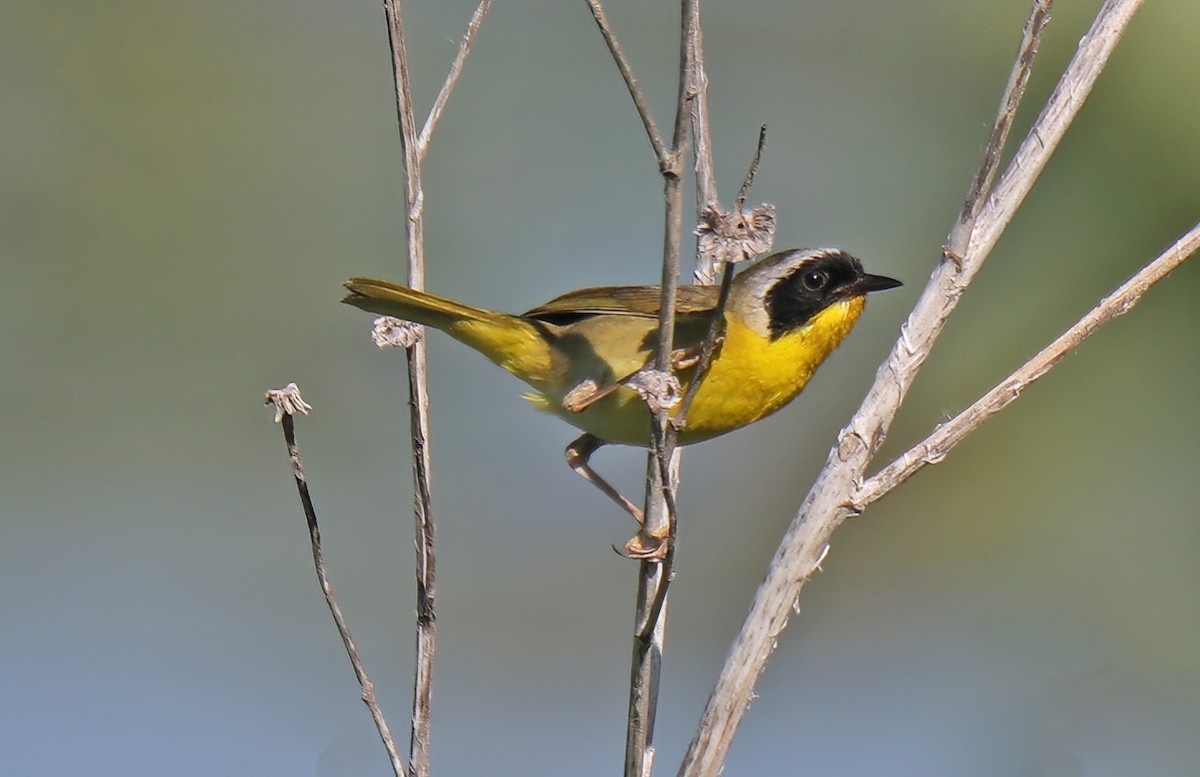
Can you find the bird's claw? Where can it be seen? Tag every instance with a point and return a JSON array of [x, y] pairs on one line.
[[644, 546]]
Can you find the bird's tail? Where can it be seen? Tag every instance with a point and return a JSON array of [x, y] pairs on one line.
[[510, 341], [421, 307]]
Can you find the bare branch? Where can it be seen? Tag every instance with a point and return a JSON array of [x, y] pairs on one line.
[[650, 618], [934, 448], [741, 236], [748, 181], [288, 402], [735, 248], [716, 326], [667, 158], [727, 237], [706, 176], [829, 501], [439, 104], [426, 626], [415, 147], [413, 195], [663, 463], [660, 517]]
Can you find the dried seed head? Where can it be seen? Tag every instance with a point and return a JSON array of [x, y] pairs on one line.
[[287, 401], [392, 332], [736, 236]]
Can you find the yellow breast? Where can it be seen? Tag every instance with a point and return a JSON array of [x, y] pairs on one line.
[[753, 376]]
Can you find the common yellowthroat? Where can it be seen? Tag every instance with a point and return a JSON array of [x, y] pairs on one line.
[[784, 315]]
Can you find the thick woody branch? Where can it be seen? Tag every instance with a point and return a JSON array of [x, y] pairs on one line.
[[934, 448], [1035, 151]]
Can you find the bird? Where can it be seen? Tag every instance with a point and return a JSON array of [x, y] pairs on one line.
[[583, 352]]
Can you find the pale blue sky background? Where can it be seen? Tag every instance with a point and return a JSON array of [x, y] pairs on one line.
[[183, 187]]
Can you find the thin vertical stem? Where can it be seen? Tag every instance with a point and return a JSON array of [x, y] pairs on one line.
[[664, 460], [418, 392]]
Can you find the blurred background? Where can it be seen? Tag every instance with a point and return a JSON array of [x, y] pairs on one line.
[[183, 187]]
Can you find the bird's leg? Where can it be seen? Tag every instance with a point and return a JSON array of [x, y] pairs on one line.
[[643, 545], [579, 453]]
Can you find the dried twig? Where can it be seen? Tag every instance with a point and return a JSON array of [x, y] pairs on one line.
[[415, 147], [654, 576], [426, 626], [650, 617], [707, 199], [735, 237], [829, 501], [439, 103], [1014, 90], [287, 402], [662, 152]]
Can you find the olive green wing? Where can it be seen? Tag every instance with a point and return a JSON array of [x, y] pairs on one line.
[[618, 307], [639, 301], [610, 333]]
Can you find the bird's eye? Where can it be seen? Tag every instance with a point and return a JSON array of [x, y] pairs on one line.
[[815, 280]]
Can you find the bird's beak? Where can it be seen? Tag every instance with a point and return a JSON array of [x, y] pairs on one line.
[[869, 283]]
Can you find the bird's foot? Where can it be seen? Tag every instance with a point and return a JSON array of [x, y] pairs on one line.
[[646, 546]]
